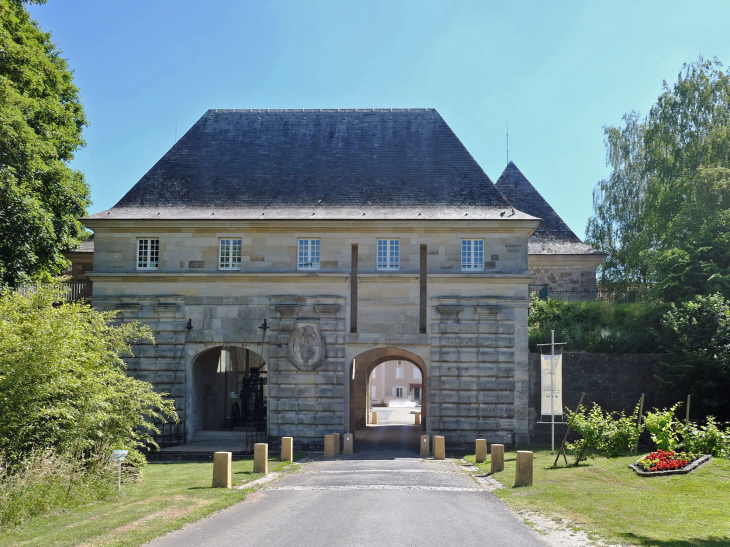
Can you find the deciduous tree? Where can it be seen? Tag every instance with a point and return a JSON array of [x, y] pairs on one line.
[[41, 118], [661, 213]]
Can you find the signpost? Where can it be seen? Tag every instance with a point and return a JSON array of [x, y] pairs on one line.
[[119, 456], [552, 371]]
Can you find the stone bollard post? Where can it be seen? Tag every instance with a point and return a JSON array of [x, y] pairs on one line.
[[337, 443], [261, 458], [480, 455], [287, 449], [222, 469], [497, 458], [439, 447], [347, 442], [374, 420], [329, 446], [418, 418], [425, 448], [523, 474]]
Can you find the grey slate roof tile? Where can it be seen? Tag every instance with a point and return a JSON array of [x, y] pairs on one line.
[[316, 164], [553, 236]]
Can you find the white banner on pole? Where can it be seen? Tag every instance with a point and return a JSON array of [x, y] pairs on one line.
[[552, 387]]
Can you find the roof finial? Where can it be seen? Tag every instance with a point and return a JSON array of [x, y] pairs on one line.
[[507, 143]]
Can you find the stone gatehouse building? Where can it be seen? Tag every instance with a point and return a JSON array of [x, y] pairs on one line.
[[304, 248]]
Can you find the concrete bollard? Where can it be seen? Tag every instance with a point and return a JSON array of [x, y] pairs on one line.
[[222, 469], [497, 458], [480, 455], [329, 446], [374, 419], [347, 442], [261, 458], [425, 446], [418, 418], [337, 442], [287, 449], [439, 447], [523, 474]]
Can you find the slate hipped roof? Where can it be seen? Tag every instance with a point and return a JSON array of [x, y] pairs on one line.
[[553, 236], [316, 164]]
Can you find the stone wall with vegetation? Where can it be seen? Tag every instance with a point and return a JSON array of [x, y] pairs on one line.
[[614, 381]]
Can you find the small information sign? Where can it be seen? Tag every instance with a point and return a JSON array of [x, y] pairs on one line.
[[119, 455]]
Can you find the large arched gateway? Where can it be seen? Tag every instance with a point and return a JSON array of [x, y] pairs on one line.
[[360, 400], [230, 390]]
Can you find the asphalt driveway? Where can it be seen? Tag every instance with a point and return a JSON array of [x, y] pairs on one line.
[[372, 499]]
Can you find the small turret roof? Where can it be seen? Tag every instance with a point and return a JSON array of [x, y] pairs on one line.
[[553, 236]]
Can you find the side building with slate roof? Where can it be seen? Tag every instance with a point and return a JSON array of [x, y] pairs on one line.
[[279, 256], [556, 256]]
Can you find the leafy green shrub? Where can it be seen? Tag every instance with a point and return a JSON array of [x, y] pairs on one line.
[[608, 432], [706, 439], [698, 339], [663, 427], [63, 383], [597, 327]]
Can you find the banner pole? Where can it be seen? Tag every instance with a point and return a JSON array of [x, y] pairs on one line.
[[552, 394]]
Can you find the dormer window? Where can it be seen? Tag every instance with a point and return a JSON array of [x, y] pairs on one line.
[[148, 253], [308, 255]]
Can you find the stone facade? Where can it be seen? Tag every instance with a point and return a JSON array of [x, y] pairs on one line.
[[479, 373], [344, 179], [565, 272], [474, 351]]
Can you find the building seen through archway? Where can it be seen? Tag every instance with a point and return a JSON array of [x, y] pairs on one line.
[[389, 382], [396, 384]]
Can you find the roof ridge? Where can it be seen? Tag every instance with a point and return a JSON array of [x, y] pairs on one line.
[[316, 110]]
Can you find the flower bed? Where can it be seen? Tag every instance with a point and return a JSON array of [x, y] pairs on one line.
[[664, 462]]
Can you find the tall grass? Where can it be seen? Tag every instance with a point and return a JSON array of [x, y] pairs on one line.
[[46, 481]]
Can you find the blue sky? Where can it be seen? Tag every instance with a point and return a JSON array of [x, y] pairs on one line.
[[557, 72]]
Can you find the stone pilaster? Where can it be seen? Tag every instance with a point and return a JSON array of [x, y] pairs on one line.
[[474, 368], [307, 404]]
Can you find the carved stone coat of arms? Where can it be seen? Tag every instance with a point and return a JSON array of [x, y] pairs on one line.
[[306, 347]]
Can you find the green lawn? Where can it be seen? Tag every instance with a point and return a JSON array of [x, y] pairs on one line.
[[167, 497], [605, 496]]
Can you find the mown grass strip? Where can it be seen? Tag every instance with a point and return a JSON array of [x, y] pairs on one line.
[[168, 497], [606, 497]]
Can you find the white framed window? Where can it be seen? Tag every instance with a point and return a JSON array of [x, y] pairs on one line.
[[388, 254], [399, 374], [229, 256], [373, 392], [400, 363], [472, 255], [374, 375], [148, 253], [398, 391], [308, 255], [417, 373]]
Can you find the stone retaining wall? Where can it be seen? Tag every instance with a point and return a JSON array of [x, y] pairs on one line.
[[614, 381]]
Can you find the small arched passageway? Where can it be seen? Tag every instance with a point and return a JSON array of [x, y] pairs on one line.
[[392, 382], [230, 390]]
